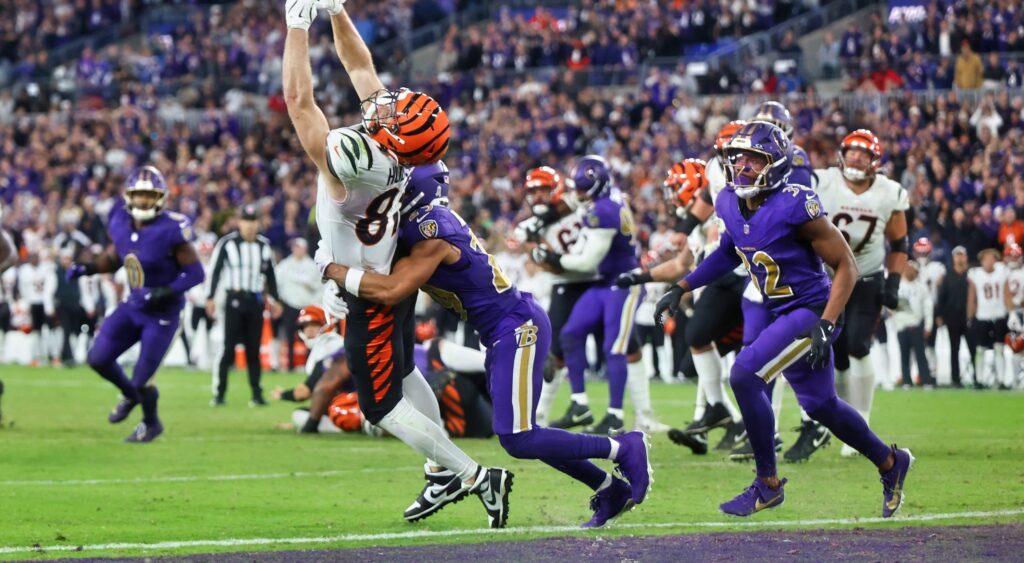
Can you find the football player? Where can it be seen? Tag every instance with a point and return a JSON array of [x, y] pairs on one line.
[[692, 186], [447, 261], [988, 312], [932, 272], [869, 209], [558, 227], [780, 234], [1014, 297], [607, 248], [155, 248], [8, 258], [363, 171]]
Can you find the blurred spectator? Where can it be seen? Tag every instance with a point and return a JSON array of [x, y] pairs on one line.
[[298, 280], [1011, 229], [969, 70], [914, 323], [828, 56], [951, 309]]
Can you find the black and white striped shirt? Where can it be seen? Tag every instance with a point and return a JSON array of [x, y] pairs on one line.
[[244, 266]]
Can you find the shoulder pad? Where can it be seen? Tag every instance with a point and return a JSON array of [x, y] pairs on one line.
[[433, 221], [604, 214]]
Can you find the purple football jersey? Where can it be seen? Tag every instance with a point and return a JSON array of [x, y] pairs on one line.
[[474, 288], [803, 172], [784, 268], [148, 253], [613, 213]]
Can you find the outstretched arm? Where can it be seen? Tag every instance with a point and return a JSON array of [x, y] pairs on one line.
[[352, 51], [309, 121], [8, 252], [408, 275]]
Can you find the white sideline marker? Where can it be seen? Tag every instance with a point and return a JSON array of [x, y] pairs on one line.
[[349, 538]]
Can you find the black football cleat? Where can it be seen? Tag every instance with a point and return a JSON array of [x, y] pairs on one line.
[[576, 415], [493, 486], [745, 452], [698, 443], [442, 488], [610, 425], [812, 437], [735, 435], [715, 416]]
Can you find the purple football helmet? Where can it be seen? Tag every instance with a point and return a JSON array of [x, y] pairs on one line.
[[145, 180], [591, 177], [776, 114], [764, 140], [428, 184]]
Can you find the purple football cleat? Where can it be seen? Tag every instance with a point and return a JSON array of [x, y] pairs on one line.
[[610, 503], [122, 410], [892, 481], [755, 498], [145, 433], [634, 465]]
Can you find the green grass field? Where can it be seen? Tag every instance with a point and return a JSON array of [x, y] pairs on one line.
[[66, 478]]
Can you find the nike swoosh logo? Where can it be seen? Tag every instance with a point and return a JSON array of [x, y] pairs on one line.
[[164, 323], [897, 494], [758, 505], [820, 440], [580, 417]]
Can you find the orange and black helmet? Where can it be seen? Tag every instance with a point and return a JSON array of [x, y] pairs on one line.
[[685, 181], [410, 124], [867, 141], [726, 133], [543, 189]]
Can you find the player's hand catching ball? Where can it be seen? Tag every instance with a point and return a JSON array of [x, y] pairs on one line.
[[332, 7], [668, 304], [636, 277], [821, 343]]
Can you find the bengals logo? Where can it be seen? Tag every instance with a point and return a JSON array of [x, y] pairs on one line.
[[428, 229]]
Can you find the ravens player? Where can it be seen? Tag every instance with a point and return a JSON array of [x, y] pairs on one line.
[[155, 248]]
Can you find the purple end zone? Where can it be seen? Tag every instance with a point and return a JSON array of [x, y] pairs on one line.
[[954, 543]]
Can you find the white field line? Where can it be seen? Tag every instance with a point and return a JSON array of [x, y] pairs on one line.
[[196, 478], [351, 538]]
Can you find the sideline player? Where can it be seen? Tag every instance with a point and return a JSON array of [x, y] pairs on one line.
[[155, 247], [8, 258], [607, 247], [362, 175], [447, 261], [987, 309], [869, 209], [780, 234]]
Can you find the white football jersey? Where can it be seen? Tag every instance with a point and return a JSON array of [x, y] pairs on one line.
[[362, 231], [561, 236], [988, 288], [38, 284], [715, 172], [862, 218], [324, 346], [1015, 283], [932, 273]]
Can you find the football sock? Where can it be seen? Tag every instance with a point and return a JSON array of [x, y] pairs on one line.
[[580, 399], [860, 379], [1000, 361], [150, 395], [850, 427], [113, 373], [618, 413], [423, 435], [709, 374], [462, 358], [617, 375], [752, 395], [582, 470], [700, 403], [554, 443], [777, 388], [639, 387], [417, 391], [548, 393]]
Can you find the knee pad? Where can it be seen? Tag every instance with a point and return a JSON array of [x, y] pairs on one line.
[[517, 445]]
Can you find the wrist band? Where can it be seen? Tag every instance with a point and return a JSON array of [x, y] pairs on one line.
[[352, 279]]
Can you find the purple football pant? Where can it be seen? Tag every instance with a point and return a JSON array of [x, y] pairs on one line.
[[781, 349], [614, 309], [515, 368], [119, 331]]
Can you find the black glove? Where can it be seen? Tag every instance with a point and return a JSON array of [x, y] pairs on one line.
[[891, 293], [636, 277], [669, 303], [534, 231], [544, 255], [821, 343]]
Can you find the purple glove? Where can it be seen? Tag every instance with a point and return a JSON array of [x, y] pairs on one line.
[[78, 270]]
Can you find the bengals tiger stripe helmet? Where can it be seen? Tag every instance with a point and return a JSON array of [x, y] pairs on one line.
[[726, 133], [865, 140], [410, 124], [684, 183], [543, 189], [315, 315], [1013, 254]]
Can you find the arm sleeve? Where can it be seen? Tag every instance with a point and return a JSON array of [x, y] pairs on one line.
[[593, 247], [191, 275], [929, 311], [218, 264], [720, 262]]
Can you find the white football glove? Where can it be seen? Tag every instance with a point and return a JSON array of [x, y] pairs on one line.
[[334, 304], [332, 7], [299, 14]]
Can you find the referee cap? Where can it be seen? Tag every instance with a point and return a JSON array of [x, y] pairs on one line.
[[250, 212]]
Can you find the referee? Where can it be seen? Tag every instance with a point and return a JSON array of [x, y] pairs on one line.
[[244, 262]]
